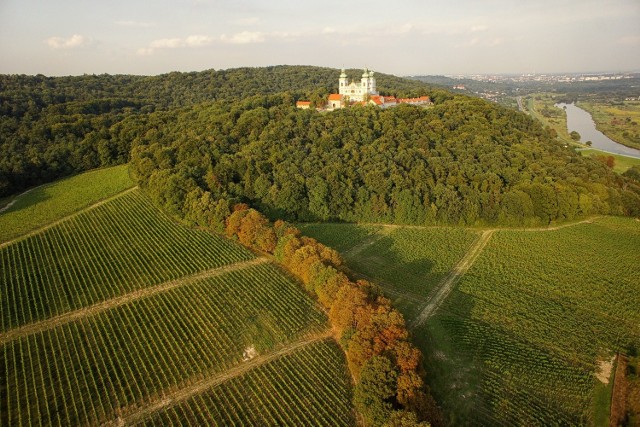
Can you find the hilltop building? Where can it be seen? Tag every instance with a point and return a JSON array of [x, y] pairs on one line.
[[357, 92], [364, 92]]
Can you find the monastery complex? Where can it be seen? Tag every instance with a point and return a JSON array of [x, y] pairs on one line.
[[363, 92]]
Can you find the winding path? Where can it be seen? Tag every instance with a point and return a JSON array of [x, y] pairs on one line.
[[92, 310], [136, 414]]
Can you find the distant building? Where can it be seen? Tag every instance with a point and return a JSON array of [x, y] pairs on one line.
[[303, 104], [335, 101], [362, 93], [354, 91]]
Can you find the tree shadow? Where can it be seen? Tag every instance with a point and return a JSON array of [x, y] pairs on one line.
[[26, 201]]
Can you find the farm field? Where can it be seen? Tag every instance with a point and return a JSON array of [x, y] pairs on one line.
[[249, 399], [47, 203], [407, 262], [522, 335], [102, 253], [119, 315]]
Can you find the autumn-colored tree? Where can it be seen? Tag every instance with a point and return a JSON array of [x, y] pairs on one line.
[[345, 306], [404, 418], [407, 356], [234, 222]]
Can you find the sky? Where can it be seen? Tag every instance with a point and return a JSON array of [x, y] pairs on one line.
[[401, 37]]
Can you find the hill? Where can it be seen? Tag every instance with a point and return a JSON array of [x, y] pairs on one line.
[[531, 322], [464, 161], [118, 314]]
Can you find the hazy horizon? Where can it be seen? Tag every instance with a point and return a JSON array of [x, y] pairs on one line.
[[72, 37]]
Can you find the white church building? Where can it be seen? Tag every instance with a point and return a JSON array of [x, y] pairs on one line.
[[363, 92], [357, 91]]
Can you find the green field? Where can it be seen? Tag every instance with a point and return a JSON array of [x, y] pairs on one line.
[[47, 203], [101, 253], [248, 400], [518, 340], [406, 261], [541, 107], [118, 314]]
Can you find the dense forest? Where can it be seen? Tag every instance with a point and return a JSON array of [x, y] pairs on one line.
[[235, 133], [464, 161], [56, 126]]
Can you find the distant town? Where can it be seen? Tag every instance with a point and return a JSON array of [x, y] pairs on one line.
[[504, 88], [550, 78]]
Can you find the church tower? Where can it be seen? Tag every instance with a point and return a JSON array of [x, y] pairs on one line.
[[365, 83], [342, 83], [372, 84]]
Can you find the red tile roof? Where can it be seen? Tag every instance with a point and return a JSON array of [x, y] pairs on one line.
[[303, 103], [335, 97]]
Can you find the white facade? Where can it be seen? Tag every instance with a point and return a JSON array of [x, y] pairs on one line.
[[357, 91]]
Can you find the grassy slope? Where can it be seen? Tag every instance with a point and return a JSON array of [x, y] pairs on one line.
[[45, 204], [87, 371], [517, 342]]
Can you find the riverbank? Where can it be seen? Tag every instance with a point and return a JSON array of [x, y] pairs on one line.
[[579, 120], [541, 106], [621, 123]]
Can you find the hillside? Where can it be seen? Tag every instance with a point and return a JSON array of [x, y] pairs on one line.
[[464, 161], [117, 314], [528, 327], [56, 126]]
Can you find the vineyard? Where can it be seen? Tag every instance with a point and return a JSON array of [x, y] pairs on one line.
[[43, 205], [104, 252], [131, 309], [278, 393], [548, 306], [407, 262], [519, 339]]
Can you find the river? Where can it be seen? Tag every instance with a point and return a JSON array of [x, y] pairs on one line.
[[581, 121]]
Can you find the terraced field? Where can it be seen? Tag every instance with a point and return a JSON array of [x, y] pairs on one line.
[[519, 339], [117, 315]]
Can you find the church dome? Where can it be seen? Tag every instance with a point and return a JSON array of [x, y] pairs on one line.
[[365, 74], [343, 75]]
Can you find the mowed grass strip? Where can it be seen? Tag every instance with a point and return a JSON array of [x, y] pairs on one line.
[[86, 372], [118, 247], [308, 387], [47, 203]]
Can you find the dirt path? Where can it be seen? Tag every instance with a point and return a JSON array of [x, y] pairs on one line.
[[443, 289], [555, 227], [68, 217], [44, 325], [136, 414], [365, 243], [11, 203]]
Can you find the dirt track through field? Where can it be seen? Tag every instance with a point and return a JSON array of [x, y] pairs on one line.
[[443, 289], [68, 217], [100, 307], [137, 413]]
